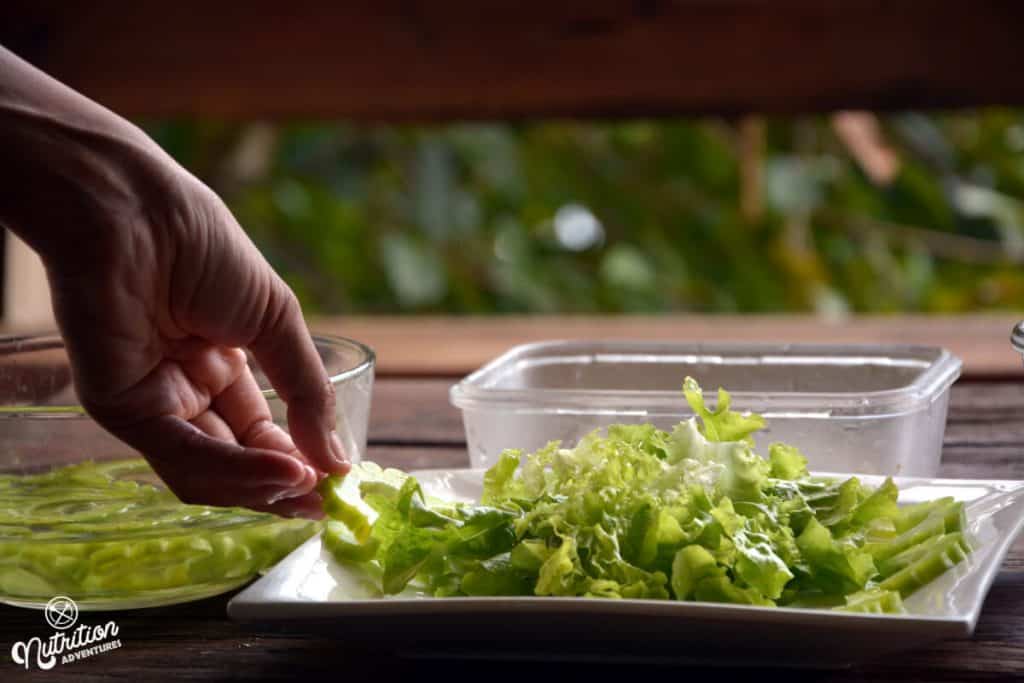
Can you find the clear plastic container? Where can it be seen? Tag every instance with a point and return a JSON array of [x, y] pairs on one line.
[[866, 409]]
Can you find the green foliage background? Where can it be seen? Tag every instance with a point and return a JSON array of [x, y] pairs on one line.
[[460, 218]]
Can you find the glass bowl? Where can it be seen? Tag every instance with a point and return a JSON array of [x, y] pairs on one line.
[[82, 515]]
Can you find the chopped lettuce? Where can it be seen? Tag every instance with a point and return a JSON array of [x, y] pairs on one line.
[[633, 511], [100, 533]]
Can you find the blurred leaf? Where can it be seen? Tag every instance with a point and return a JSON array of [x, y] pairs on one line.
[[626, 267], [415, 274], [790, 186]]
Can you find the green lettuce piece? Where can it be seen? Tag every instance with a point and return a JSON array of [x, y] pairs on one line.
[[721, 424], [833, 567], [721, 589], [499, 482], [338, 539], [733, 468], [745, 474], [833, 503], [642, 536], [912, 515], [786, 462], [941, 520], [481, 532], [873, 601], [943, 555], [691, 565], [560, 574], [496, 576], [529, 555], [890, 565], [343, 497], [881, 504], [759, 565]]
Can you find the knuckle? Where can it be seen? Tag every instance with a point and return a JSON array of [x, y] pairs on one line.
[[280, 310], [289, 309], [192, 440], [319, 394], [254, 431], [235, 360]]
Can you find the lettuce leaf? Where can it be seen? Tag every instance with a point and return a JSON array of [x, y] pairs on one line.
[[721, 424]]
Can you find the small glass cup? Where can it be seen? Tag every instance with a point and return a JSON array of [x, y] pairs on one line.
[[42, 425]]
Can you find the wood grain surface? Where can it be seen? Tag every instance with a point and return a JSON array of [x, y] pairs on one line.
[[413, 426], [457, 345]]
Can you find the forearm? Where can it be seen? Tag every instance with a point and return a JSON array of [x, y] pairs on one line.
[[66, 163]]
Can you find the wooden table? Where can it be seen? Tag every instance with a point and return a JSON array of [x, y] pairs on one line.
[[413, 426]]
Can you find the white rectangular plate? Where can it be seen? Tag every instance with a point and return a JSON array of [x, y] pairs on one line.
[[308, 589]]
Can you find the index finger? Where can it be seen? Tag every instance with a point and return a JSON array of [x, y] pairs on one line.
[[285, 351]]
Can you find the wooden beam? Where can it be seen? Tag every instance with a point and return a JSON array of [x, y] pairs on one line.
[[455, 346], [424, 60]]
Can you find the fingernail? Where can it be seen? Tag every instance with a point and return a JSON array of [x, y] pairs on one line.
[[282, 495], [309, 481], [337, 451]]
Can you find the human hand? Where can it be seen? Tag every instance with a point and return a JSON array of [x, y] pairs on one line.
[[155, 325], [156, 290]]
